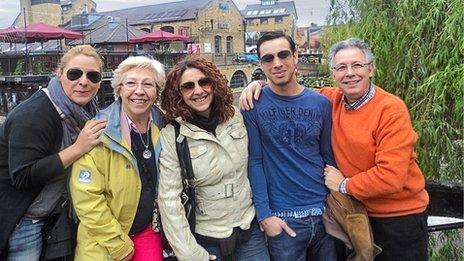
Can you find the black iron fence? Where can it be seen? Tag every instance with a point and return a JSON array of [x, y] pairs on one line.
[[39, 63]]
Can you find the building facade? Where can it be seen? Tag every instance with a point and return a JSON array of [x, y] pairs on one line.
[[269, 16], [217, 26], [54, 12]]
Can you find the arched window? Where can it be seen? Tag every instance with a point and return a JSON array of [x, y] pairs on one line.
[[217, 44], [230, 44], [258, 74], [168, 29], [238, 80]]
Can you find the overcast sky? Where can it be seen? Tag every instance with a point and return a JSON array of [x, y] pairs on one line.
[[309, 11]]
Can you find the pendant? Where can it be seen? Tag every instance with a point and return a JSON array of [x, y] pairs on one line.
[[146, 154]]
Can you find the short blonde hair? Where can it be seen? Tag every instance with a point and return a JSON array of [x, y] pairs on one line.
[[142, 62], [86, 50]]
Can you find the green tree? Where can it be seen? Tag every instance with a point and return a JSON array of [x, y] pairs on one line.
[[419, 46], [19, 69]]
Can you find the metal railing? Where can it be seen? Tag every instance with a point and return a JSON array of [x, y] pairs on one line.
[[14, 64]]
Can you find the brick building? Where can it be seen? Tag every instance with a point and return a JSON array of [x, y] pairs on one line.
[[217, 25], [53, 12], [269, 16]]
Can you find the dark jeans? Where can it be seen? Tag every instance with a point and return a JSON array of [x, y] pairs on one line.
[[311, 239], [255, 249], [401, 238]]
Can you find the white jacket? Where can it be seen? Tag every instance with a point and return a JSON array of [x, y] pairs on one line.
[[223, 193]]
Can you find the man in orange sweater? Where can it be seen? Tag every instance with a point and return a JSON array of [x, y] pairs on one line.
[[373, 142]]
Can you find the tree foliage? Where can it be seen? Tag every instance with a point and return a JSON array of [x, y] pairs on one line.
[[419, 47]]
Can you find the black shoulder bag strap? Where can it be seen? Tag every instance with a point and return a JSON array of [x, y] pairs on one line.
[[188, 191], [227, 246]]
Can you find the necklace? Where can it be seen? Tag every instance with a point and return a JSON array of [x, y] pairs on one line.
[[146, 152]]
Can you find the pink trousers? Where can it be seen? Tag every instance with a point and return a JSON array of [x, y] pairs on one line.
[[147, 246]]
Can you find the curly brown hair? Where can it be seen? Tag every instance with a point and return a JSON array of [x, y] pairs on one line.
[[171, 97]]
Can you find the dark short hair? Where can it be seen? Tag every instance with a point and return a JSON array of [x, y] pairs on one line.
[[274, 35]]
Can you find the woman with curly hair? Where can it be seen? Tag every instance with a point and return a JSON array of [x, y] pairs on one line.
[[197, 97]]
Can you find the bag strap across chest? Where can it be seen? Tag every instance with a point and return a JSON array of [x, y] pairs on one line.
[[188, 191]]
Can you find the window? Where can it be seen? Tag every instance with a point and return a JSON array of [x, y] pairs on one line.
[[238, 80], [217, 44], [168, 29], [263, 20], [279, 19], [251, 38], [230, 44], [249, 12], [183, 30], [268, 2]]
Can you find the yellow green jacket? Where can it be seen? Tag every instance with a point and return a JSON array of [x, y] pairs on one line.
[[105, 189]]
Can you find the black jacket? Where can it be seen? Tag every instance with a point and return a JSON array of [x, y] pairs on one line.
[[30, 140]]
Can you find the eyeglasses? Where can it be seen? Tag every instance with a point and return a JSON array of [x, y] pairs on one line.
[[267, 58], [132, 85], [342, 68], [76, 73], [202, 82]]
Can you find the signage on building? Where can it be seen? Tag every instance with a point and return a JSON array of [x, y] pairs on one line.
[[224, 6], [207, 47], [193, 48]]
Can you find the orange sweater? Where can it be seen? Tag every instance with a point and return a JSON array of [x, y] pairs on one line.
[[374, 147]]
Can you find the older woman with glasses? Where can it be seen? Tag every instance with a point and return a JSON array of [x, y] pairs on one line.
[[198, 98], [39, 141], [113, 186]]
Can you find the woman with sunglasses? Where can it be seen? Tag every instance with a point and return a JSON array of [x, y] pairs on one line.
[[113, 186], [38, 144], [198, 98]]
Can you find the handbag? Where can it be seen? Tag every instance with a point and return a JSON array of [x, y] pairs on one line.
[[59, 232], [60, 229], [188, 191]]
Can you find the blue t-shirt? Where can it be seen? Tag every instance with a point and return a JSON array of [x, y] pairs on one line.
[[289, 146]]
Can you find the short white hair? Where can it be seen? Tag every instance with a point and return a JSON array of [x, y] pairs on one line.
[[142, 62], [351, 43]]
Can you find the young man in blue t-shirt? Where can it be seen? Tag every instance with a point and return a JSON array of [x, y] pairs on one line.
[[289, 145]]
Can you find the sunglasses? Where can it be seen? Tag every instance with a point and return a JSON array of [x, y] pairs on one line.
[[202, 82], [75, 73], [270, 57]]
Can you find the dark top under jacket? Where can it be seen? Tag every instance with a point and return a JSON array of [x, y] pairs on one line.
[[30, 140], [147, 172]]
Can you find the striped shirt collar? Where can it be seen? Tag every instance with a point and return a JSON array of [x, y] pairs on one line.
[[133, 127], [361, 101]]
